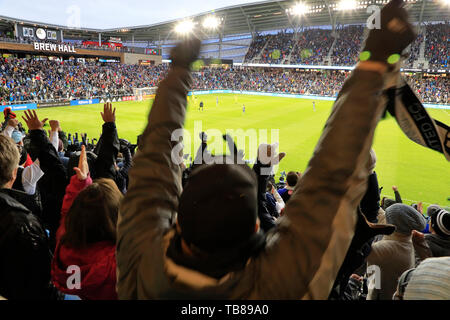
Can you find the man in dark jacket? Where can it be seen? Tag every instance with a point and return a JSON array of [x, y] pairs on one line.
[[52, 185], [439, 239], [108, 149], [25, 256], [203, 241]]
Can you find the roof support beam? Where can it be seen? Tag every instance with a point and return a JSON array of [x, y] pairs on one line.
[[421, 13], [251, 27]]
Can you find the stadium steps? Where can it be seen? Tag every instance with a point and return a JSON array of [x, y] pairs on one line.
[[294, 48], [422, 46], [258, 57], [421, 61], [327, 59]]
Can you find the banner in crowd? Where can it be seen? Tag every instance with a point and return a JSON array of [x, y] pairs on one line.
[[299, 96], [128, 98], [19, 107], [256, 93], [53, 104], [84, 102], [414, 120]]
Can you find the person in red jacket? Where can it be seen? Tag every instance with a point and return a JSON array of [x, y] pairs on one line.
[[86, 237]]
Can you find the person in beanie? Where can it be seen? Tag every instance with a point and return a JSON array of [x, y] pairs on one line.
[[437, 242], [429, 281], [8, 115], [169, 244], [394, 254]]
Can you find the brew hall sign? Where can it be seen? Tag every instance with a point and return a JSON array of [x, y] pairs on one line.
[[53, 47]]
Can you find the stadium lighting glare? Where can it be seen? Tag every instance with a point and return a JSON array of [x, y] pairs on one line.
[[211, 23], [347, 5], [184, 27], [446, 2], [299, 9]]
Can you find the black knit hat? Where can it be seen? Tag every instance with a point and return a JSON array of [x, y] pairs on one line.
[[218, 206], [440, 222]]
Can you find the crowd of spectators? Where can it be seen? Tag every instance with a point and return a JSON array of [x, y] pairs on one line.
[[277, 49], [25, 80], [414, 51], [313, 45], [437, 45], [347, 47], [431, 88], [326, 83], [110, 220], [256, 46]]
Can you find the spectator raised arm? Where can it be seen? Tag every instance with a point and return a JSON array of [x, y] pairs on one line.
[[54, 181], [108, 146], [158, 260]]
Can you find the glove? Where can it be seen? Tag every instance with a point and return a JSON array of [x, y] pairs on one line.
[[395, 34], [186, 52], [365, 230]]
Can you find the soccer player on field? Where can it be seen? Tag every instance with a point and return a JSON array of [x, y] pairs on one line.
[[201, 106], [314, 105]]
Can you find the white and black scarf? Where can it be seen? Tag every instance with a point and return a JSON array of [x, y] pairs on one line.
[[414, 120]]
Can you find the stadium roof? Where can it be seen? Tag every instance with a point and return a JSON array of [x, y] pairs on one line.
[[256, 17]]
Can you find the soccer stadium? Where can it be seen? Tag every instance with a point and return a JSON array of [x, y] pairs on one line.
[[185, 158]]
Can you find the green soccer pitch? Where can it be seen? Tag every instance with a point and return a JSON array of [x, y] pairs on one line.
[[420, 174]]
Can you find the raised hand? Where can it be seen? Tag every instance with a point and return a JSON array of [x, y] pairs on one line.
[[13, 123], [82, 171], [54, 124], [267, 154], [108, 114], [420, 207], [32, 120], [394, 188], [386, 43]]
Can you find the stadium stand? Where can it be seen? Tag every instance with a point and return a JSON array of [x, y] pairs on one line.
[[216, 230], [25, 80]]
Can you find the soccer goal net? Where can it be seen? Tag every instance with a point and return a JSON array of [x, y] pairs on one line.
[[144, 93]]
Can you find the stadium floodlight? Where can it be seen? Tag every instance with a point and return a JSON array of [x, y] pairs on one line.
[[299, 9], [347, 5], [184, 27], [211, 22]]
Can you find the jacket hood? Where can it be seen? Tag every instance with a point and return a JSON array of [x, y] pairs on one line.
[[439, 245], [182, 282], [97, 265], [8, 200]]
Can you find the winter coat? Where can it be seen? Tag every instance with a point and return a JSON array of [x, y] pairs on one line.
[[393, 255], [97, 262], [54, 181], [439, 246], [25, 254]]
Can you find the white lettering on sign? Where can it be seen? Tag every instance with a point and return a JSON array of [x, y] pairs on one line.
[[40, 46]]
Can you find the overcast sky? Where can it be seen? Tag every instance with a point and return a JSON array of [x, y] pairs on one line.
[[109, 13]]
